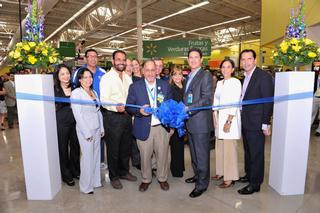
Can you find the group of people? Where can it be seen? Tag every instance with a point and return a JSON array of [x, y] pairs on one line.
[[104, 111]]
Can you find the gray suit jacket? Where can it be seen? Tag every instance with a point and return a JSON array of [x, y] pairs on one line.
[[201, 88], [88, 116], [10, 97]]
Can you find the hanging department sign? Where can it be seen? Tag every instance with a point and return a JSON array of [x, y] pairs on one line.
[[174, 48]]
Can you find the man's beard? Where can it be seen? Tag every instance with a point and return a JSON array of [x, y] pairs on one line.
[[120, 67]]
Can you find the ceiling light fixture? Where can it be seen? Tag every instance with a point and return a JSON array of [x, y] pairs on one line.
[[206, 27], [71, 19], [154, 21]]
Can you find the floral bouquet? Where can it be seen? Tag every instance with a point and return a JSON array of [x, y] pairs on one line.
[[32, 51], [296, 50]]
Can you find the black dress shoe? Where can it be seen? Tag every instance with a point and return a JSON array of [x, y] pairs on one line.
[[196, 192], [191, 180], [243, 179], [317, 134], [70, 183], [248, 190], [90, 193]]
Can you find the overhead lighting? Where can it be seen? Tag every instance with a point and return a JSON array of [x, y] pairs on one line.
[[154, 21], [0, 5], [162, 31], [206, 27], [3, 23], [149, 31], [117, 42], [72, 18]]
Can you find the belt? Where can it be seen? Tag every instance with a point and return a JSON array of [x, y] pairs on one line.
[[108, 112], [156, 125]]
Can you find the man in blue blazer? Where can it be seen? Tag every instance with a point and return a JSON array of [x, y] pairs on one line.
[[150, 134], [199, 93], [255, 120]]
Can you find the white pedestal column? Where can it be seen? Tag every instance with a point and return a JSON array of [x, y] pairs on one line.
[[291, 133], [38, 137]]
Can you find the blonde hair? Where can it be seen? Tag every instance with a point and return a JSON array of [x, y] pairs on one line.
[[174, 70]]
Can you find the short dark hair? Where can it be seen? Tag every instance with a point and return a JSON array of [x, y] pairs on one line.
[[80, 75], [227, 59], [56, 72], [248, 51], [194, 49], [147, 61], [118, 51], [90, 50]]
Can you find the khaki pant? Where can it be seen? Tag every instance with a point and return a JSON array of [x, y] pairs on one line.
[[227, 159], [157, 142]]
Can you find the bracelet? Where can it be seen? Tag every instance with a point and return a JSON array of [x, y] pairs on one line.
[[228, 122]]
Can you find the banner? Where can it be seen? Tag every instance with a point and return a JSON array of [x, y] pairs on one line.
[[174, 48]]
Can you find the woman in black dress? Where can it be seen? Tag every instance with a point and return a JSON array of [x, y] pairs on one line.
[[69, 149], [176, 142]]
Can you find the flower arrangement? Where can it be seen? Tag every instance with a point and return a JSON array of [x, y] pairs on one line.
[[296, 50], [32, 51]]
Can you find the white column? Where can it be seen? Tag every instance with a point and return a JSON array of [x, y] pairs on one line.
[[38, 137], [291, 133]]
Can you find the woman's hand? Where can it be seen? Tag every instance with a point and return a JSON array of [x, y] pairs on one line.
[[226, 127]]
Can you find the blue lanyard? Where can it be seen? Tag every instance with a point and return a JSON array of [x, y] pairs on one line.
[[153, 96]]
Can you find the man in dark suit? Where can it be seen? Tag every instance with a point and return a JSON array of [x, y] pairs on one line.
[[151, 136], [255, 120], [199, 93]]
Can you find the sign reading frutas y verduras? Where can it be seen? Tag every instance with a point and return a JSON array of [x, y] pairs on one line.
[[174, 48]]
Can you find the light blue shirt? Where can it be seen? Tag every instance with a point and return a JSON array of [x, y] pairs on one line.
[[191, 76]]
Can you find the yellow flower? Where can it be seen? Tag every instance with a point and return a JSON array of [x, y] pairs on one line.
[[32, 59], [294, 41], [52, 59], [308, 41], [19, 44], [318, 50], [45, 52], [296, 48], [275, 54], [16, 54], [284, 46], [32, 44], [11, 54], [37, 49], [26, 47], [312, 54]]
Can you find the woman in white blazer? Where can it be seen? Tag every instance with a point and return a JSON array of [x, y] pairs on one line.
[[227, 122], [89, 126]]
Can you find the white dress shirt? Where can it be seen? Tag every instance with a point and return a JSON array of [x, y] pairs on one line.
[[113, 89], [152, 94]]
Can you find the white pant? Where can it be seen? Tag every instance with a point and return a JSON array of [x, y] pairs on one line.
[[315, 110], [89, 161]]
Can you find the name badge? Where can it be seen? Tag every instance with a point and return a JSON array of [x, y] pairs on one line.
[[190, 98]]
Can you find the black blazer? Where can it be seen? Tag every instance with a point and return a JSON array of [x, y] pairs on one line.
[[201, 88], [260, 86]]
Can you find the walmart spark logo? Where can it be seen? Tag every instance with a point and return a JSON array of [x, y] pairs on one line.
[[151, 49]]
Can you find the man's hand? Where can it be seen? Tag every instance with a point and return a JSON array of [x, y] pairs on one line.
[[142, 110], [120, 108]]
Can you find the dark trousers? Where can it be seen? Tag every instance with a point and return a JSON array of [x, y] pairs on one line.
[[135, 153], [102, 154], [12, 113], [200, 157], [253, 143], [118, 129], [69, 151], [177, 155]]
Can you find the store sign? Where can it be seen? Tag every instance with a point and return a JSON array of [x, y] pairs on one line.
[[175, 48], [67, 49]]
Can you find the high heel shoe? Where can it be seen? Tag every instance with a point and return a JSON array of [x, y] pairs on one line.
[[217, 177], [225, 185]]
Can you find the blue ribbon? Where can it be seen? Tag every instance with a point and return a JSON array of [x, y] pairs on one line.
[[295, 96]]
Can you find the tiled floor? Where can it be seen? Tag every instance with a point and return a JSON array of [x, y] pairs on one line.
[[129, 199]]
